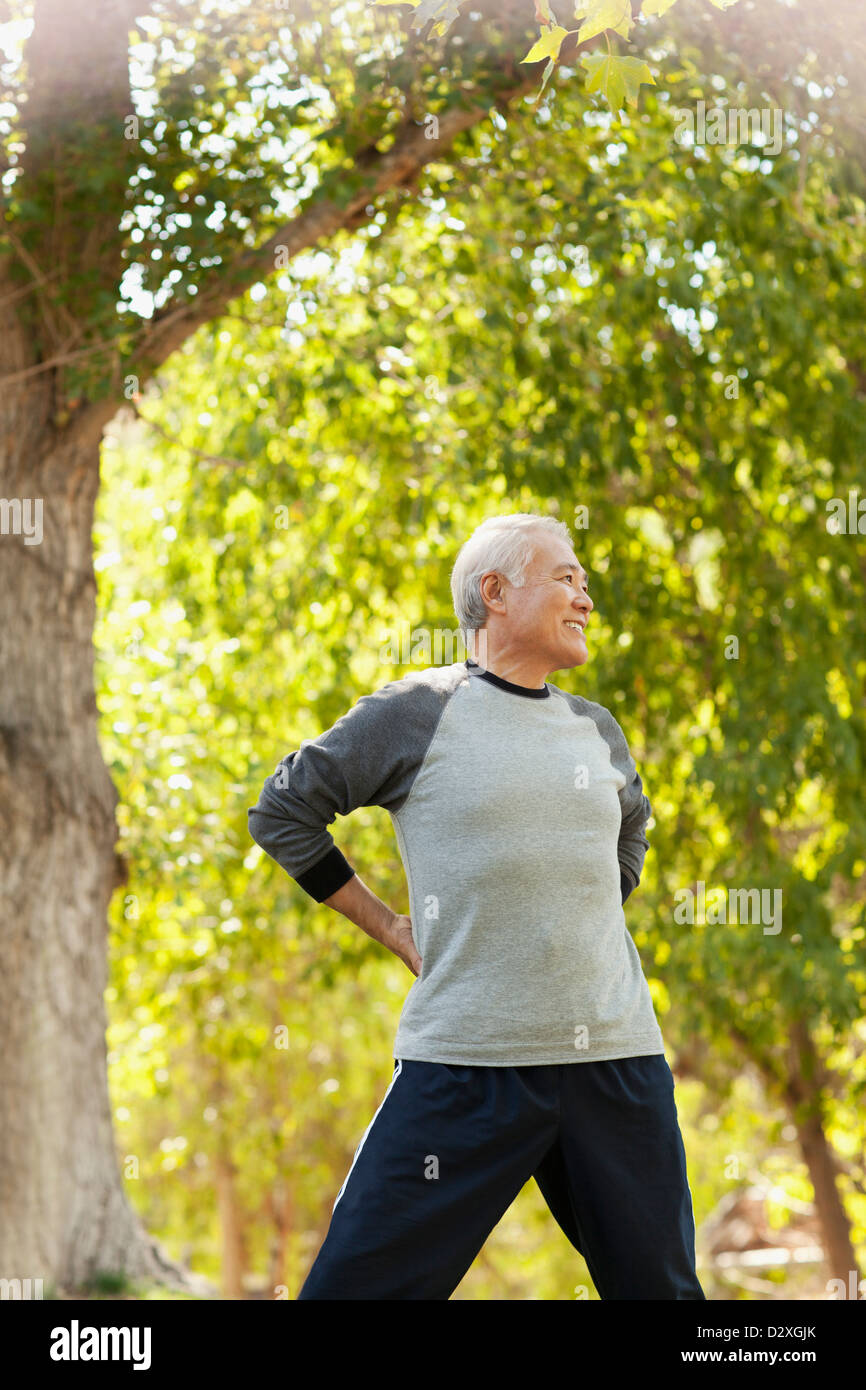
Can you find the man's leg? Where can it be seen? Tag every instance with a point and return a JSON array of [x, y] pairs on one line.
[[443, 1158], [616, 1179]]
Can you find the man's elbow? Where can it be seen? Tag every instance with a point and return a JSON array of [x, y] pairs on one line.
[[625, 885], [263, 828]]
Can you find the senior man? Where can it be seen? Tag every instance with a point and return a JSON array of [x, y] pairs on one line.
[[527, 1045]]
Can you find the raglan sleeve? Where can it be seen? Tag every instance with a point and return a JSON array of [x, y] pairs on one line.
[[636, 810], [365, 759]]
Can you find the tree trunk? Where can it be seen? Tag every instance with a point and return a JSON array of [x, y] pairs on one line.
[[801, 1081], [805, 1097], [281, 1209], [234, 1255], [63, 1211]]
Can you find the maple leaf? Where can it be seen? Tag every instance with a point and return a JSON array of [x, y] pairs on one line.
[[548, 45], [618, 79], [656, 6], [605, 14]]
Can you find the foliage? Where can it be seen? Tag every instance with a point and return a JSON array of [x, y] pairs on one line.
[[678, 358], [562, 311], [616, 77]]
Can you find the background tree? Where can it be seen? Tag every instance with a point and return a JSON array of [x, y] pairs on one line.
[[467, 364]]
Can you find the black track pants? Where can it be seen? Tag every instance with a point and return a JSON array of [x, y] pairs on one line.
[[450, 1147]]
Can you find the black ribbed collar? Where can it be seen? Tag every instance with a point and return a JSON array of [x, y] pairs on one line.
[[475, 670]]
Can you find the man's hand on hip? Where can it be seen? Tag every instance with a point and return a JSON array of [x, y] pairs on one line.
[[394, 930], [402, 943]]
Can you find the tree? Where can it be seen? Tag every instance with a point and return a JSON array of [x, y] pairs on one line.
[[92, 188]]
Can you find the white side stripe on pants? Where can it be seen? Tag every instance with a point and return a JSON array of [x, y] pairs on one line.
[[397, 1071]]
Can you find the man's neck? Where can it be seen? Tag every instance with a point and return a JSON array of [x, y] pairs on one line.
[[517, 670]]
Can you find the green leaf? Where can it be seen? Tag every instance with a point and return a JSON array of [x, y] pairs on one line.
[[548, 69], [618, 79], [548, 45], [606, 14], [659, 7], [442, 12]]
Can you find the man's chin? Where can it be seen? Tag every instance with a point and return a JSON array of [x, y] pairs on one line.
[[573, 659]]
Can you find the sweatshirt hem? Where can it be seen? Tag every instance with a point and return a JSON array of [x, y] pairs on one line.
[[524, 1057]]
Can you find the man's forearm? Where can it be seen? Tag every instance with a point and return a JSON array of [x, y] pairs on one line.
[[356, 901]]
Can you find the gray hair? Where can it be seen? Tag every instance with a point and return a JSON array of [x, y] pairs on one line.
[[503, 543]]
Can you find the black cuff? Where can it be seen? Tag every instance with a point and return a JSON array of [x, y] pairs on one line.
[[625, 885], [326, 876]]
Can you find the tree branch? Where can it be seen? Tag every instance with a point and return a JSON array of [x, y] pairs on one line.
[[321, 218], [59, 361], [199, 453]]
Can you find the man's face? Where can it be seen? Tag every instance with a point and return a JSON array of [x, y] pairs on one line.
[[553, 596]]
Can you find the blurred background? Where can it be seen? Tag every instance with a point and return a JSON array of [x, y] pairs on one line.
[[567, 310]]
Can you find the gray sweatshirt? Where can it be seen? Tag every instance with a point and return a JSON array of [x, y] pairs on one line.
[[519, 816]]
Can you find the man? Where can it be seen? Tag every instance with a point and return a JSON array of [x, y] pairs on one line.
[[528, 1045]]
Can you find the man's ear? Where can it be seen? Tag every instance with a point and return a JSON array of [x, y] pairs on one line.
[[491, 588]]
